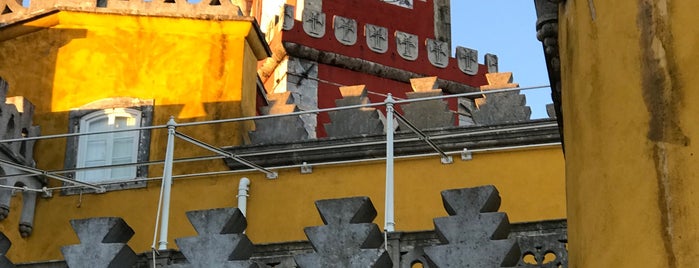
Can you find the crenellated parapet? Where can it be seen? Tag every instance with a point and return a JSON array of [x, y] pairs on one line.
[[474, 235], [13, 10]]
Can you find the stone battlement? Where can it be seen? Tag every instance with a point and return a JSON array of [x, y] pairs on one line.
[[13, 10]]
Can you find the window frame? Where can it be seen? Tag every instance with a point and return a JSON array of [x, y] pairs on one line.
[[110, 115], [85, 112]]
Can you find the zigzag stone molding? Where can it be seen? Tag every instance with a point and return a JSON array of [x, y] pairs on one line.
[[474, 235], [504, 107], [282, 129], [427, 114], [348, 238], [355, 122], [102, 244], [5, 245], [220, 241]]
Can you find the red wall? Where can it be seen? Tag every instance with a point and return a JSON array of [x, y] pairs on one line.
[[419, 21], [329, 92]]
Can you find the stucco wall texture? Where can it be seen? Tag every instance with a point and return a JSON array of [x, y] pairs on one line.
[[629, 83]]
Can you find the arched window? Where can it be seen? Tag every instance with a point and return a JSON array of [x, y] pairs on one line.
[[112, 148]]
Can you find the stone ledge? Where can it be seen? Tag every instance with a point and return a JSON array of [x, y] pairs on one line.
[[373, 147]]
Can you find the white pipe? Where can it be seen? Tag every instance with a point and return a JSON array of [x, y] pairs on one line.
[[167, 183], [243, 188], [390, 224]]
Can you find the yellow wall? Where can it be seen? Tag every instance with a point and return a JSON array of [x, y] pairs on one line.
[[193, 70], [279, 209], [629, 87]]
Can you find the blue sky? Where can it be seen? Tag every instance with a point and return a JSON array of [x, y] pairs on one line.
[[506, 28]]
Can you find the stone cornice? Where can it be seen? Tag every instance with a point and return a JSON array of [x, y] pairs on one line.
[[373, 147]]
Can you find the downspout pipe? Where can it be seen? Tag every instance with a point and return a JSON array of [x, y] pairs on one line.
[[243, 189]]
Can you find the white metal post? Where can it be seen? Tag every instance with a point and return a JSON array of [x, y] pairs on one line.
[[167, 183], [390, 225]]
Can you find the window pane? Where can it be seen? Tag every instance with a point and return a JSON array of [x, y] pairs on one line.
[[94, 175], [123, 148], [96, 151], [99, 124]]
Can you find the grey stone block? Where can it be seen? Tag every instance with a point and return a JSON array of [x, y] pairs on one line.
[[475, 235], [283, 129], [5, 245], [354, 122], [501, 108], [427, 114], [220, 241], [348, 239], [102, 244], [551, 110], [504, 107]]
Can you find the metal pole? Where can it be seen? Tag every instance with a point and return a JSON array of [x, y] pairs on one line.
[[390, 225], [167, 182]]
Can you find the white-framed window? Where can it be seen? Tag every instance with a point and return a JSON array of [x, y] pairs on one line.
[[112, 148]]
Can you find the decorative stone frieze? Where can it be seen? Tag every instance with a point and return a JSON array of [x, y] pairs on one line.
[[407, 45], [438, 53], [348, 238], [220, 241], [102, 244], [427, 114], [376, 38], [314, 23], [543, 250], [467, 59], [345, 30], [354, 122], [474, 234], [491, 61]]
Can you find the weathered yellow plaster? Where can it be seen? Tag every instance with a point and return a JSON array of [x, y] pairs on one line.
[[203, 70], [629, 85]]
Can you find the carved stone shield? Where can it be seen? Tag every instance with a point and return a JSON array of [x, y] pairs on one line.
[[467, 59]]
